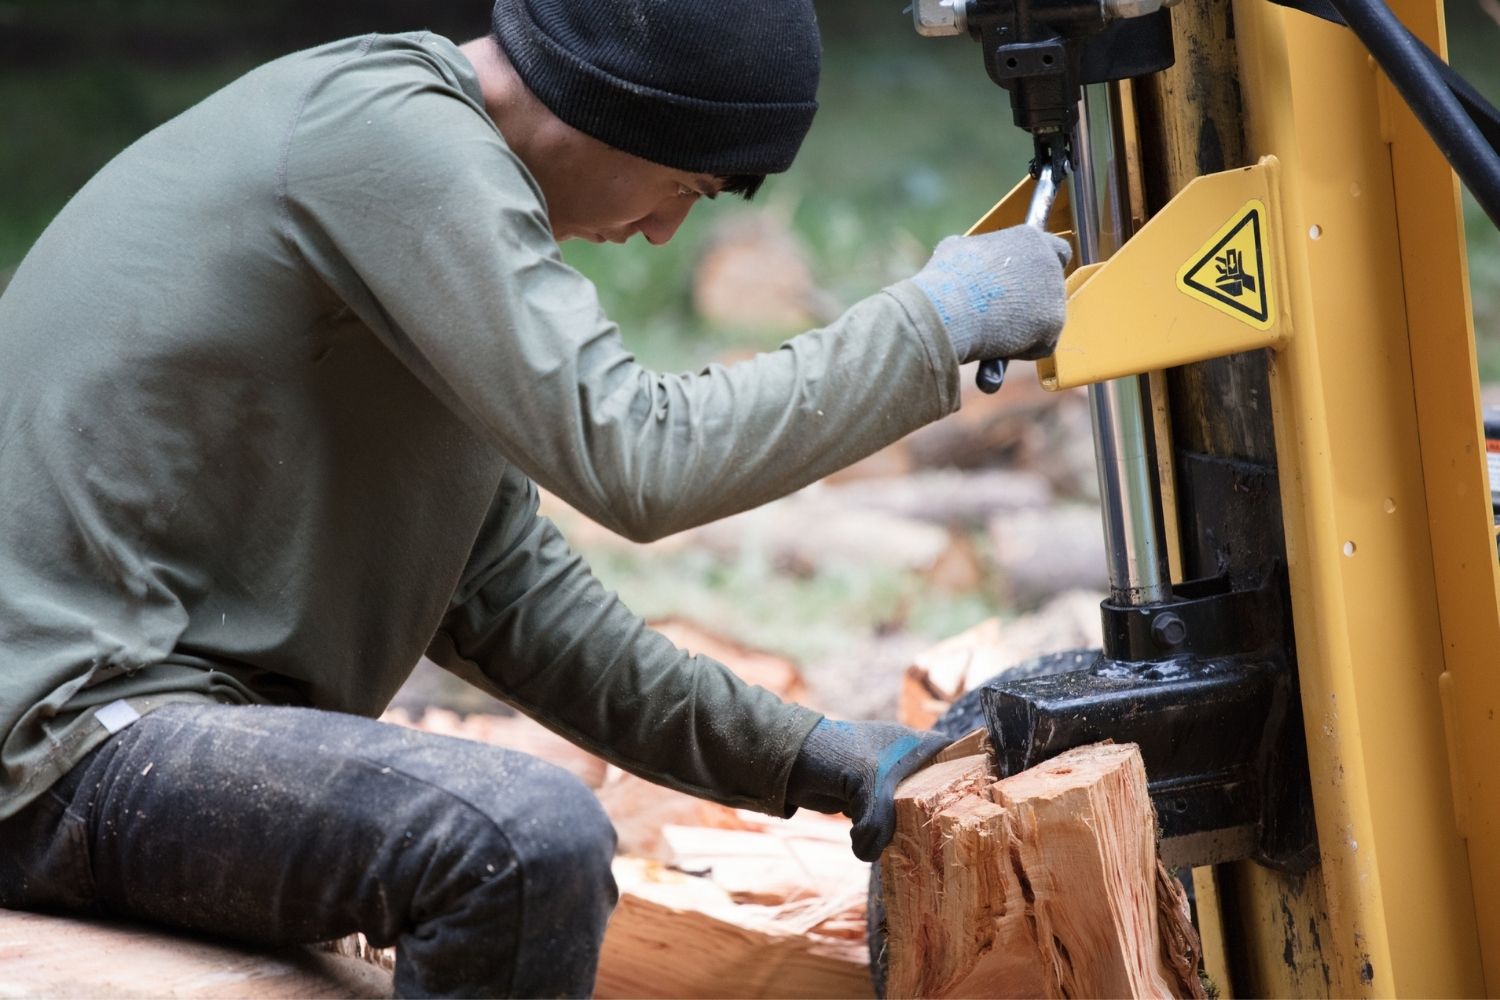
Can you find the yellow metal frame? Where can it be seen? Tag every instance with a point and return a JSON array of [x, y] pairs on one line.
[[1385, 496], [1011, 210], [1127, 316], [1384, 489]]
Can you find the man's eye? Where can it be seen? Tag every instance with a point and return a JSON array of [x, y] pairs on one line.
[[683, 191]]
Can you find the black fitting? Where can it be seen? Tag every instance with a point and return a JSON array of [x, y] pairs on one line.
[[1045, 51], [1202, 685]]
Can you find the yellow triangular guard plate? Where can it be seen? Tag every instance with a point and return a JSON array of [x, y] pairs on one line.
[[1232, 271]]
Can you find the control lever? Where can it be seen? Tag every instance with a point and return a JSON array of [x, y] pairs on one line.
[[1049, 176]]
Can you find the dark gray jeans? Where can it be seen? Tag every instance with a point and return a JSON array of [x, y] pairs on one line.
[[488, 869]]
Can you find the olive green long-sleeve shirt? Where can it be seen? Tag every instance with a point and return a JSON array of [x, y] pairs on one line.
[[276, 388]]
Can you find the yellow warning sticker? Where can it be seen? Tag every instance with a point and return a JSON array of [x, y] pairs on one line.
[[1232, 271]]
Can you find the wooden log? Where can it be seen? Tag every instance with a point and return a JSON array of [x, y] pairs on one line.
[[940, 675], [1043, 884], [947, 497], [641, 810], [844, 536], [1044, 551], [757, 866], [678, 935], [48, 956]]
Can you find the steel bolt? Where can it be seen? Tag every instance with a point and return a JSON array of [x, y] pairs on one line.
[[1168, 630]]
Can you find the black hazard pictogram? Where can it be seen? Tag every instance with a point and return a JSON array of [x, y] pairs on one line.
[[1232, 270]]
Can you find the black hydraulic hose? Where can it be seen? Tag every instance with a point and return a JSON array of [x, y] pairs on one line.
[[1405, 60]]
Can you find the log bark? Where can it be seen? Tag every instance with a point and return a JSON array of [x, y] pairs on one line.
[[1045, 884]]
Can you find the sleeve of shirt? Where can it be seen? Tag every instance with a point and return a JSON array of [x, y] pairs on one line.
[[404, 200], [531, 625]]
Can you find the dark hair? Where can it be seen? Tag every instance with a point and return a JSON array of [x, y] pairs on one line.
[[744, 185]]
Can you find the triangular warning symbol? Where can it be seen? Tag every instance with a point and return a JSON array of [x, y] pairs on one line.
[[1232, 272]]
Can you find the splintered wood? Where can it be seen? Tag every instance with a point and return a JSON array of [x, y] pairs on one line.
[[778, 911], [1045, 884]]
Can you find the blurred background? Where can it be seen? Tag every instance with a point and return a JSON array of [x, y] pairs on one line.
[[912, 142]]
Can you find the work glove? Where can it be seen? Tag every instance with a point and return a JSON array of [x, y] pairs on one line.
[[854, 768], [1000, 295]]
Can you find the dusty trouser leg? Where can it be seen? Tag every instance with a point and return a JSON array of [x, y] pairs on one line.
[[488, 869]]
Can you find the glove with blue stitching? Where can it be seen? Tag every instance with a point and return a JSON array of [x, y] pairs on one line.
[[1000, 295], [854, 768]]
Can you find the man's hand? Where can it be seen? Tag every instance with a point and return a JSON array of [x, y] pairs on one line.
[[854, 768], [1000, 295]]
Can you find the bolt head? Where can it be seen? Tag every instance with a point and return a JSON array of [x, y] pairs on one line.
[[1169, 630]]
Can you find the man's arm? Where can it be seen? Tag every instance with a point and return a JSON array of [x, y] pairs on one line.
[[531, 625], [405, 201]]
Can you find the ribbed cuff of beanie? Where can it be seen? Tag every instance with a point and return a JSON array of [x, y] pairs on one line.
[[720, 137]]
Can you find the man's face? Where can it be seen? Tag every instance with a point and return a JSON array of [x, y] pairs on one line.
[[601, 194]]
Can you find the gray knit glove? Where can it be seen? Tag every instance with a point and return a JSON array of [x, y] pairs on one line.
[[854, 768], [1000, 295]]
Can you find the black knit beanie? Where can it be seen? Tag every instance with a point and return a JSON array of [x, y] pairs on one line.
[[715, 88]]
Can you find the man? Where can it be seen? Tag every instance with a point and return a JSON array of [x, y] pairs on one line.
[[275, 390]]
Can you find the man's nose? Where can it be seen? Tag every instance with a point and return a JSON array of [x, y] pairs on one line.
[[662, 224]]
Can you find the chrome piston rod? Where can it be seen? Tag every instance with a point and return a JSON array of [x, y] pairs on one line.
[[1124, 448]]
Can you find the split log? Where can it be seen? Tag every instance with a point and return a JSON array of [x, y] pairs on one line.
[[939, 676], [775, 907], [679, 935], [770, 868], [640, 810], [47, 956], [1045, 884]]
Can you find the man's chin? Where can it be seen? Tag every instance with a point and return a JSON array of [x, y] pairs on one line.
[[591, 235]]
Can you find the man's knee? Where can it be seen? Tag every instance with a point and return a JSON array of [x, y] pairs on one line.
[[509, 812], [557, 826], [519, 876]]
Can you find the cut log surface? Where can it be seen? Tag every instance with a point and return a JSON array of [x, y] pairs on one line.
[[45, 956], [1045, 884]]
